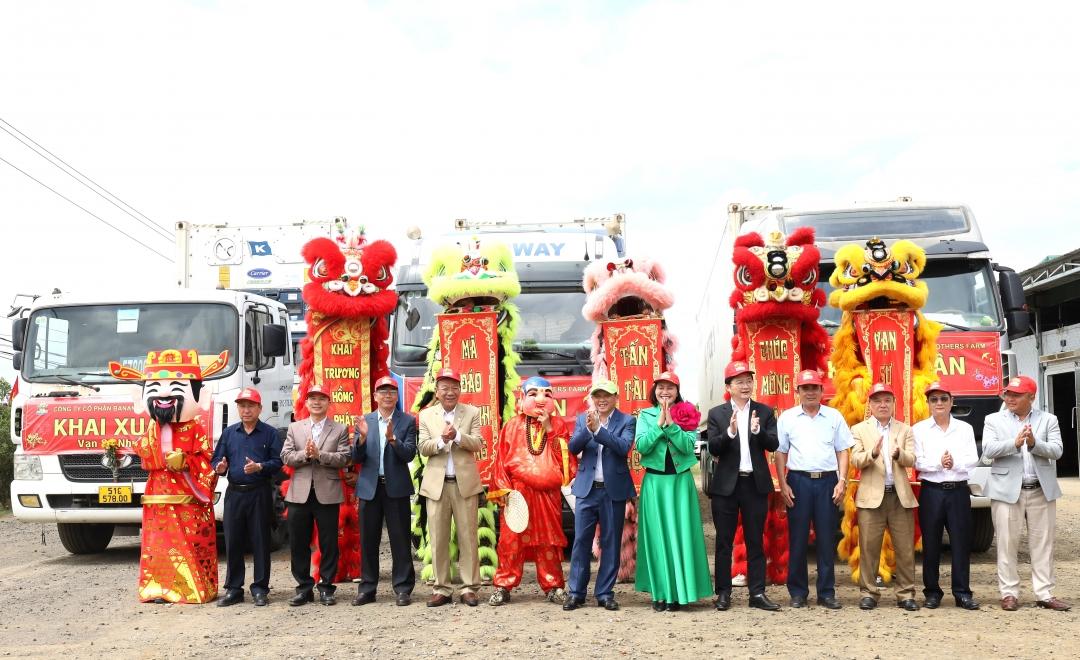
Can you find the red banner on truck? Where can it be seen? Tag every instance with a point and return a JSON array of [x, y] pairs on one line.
[[69, 425], [969, 363]]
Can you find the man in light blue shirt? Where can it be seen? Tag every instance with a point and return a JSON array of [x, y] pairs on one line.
[[811, 466]]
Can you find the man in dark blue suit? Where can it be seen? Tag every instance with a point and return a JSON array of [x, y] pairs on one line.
[[603, 436], [384, 441]]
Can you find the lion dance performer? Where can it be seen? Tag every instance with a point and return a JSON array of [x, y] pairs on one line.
[[776, 303], [474, 336], [178, 559], [631, 345], [533, 459], [883, 338], [345, 351]]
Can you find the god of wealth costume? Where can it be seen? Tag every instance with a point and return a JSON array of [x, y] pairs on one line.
[[474, 336], [532, 458], [345, 351], [626, 299], [776, 303], [883, 338], [178, 559]]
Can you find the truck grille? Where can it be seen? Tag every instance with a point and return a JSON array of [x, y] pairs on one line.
[[88, 468]]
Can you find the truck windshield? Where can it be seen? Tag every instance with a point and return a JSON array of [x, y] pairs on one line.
[[77, 343], [962, 296], [551, 330], [853, 225]]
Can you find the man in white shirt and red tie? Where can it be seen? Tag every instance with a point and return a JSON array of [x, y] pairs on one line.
[[945, 455], [1025, 445]]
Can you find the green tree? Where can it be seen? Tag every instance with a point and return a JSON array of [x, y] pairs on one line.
[[7, 449]]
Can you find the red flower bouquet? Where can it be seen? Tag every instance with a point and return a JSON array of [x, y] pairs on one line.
[[685, 415]]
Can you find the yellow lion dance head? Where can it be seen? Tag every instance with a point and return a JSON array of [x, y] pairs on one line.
[[877, 277]]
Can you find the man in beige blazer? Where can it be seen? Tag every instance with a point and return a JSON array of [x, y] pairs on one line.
[[449, 436], [316, 449], [884, 448]]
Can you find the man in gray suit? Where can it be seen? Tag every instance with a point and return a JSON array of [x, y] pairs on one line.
[[1024, 444], [316, 449]]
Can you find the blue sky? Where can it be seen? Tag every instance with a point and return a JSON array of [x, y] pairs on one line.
[[398, 113]]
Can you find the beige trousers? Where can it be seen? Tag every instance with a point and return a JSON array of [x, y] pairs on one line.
[[900, 522], [464, 513], [1041, 517]]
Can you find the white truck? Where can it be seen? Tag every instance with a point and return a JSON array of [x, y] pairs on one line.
[[969, 294]]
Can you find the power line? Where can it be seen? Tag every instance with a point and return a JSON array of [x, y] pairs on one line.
[[85, 210], [153, 226]]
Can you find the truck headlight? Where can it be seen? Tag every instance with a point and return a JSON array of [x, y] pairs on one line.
[[27, 468]]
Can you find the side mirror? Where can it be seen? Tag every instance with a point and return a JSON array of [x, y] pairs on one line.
[[1017, 318], [16, 361], [275, 340], [412, 317], [18, 334]]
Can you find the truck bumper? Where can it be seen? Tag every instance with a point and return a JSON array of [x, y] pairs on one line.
[[77, 503]]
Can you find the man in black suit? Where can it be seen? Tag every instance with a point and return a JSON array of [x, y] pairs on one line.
[[384, 443], [739, 434]]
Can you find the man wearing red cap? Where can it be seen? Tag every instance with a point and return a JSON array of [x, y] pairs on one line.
[[945, 455], [740, 432], [1025, 445], [249, 453], [884, 449], [449, 438], [812, 466], [385, 443], [316, 448]]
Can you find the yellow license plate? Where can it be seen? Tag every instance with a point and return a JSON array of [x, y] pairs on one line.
[[114, 495]]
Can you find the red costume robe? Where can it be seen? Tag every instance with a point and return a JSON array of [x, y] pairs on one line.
[[539, 477], [178, 562]]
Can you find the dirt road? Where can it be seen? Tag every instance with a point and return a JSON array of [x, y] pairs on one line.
[[54, 604]]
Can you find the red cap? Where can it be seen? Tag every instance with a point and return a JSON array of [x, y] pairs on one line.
[[249, 394], [936, 386], [668, 376], [1021, 385], [809, 377], [447, 372], [881, 388], [317, 389], [736, 368], [386, 381]]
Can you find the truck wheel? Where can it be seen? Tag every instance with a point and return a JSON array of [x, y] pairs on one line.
[[705, 463], [279, 536], [85, 538], [982, 530]]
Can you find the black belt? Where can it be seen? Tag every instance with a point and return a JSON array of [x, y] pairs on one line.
[[746, 474], [246, 488], [890, 489], [814, 475], [598, 484], [1031, 486], [450, 478], [382, 479], [946, 485]]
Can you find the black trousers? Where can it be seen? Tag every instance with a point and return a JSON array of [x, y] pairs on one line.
[[247, 523], [396, 512], [941, 509], [725, 514], [303, 520]]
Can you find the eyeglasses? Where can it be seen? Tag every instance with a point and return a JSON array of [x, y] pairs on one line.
[[938, 399]]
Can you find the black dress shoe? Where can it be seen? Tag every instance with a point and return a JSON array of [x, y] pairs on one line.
[[762, 602], [659, 606], [261, 600], [327, 598], [932, 602], [302, 598], [672, 607], [231, 598], [867, 603], [967, 602], [364, 598], [403, 599], [572, 604], [798, 601], [908, 604], [723, 601], [608, 604], [829, 602]]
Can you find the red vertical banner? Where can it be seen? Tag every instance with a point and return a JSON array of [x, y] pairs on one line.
[[470, 346], [343, 366], [773, 356], [887, 340], [634, 359]]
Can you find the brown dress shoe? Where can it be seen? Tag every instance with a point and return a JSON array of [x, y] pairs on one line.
[[469, 598], [438, 600], [1054, 604], [1009, 604]]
